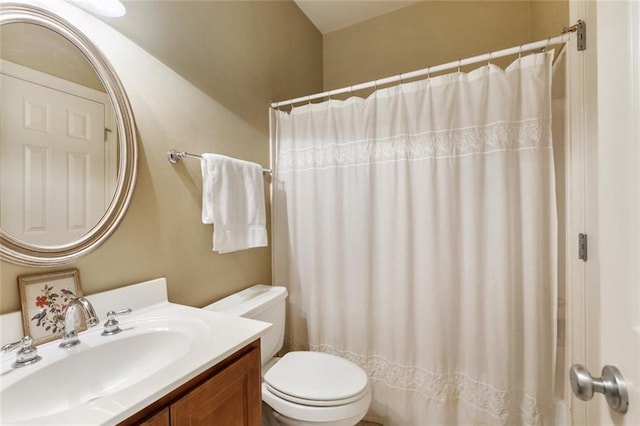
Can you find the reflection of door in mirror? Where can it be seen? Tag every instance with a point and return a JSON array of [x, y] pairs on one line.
[[57, 162]]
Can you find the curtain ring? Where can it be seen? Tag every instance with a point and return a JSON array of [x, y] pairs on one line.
[[309, 100], [428, 73], [489, 60], [520, 52], [546, 48], [459, 65]]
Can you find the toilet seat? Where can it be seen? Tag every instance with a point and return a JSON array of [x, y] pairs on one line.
[[355, 410], [312, 402], [316, 379], [315, 386]]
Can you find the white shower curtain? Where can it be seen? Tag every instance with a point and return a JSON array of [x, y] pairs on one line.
[[416, 233]]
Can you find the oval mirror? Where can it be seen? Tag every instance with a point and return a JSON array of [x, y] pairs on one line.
[[68, 149]]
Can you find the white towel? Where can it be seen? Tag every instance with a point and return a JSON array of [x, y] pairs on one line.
[[233, 200]]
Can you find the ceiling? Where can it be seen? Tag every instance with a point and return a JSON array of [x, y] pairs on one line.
[[331, 15]]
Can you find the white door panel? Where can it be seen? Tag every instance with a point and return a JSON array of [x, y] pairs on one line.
[[605, 295], [54, 141]]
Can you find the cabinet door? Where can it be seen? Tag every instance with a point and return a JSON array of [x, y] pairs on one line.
[[160, 419], [232, 397]]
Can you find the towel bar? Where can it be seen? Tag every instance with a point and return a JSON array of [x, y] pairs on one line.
[[174, 156]]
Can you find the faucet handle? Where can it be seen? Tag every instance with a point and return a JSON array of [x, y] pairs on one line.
[[28, 354], [111, 326]]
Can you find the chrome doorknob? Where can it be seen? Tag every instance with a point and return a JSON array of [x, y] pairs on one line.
[[611, 384]]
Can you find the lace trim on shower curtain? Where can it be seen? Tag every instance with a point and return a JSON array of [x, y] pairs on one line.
[[498, 403], [498, 136]]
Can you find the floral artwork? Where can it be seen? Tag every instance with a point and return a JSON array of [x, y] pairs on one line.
[[52, 305], [44, 300]]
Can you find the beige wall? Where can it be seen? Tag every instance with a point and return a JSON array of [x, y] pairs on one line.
[[199, 76], [435, 32], [548, 18], [43, 50]]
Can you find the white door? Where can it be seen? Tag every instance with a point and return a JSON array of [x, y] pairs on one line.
[[605, 168], [52, 162]]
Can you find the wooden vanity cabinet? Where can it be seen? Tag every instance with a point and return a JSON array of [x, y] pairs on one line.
[[228, 394], [163, 418]]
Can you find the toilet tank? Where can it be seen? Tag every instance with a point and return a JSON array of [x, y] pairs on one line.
[[260, 302]]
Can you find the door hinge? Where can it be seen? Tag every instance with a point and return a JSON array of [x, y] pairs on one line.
[[106, 134], [582, 247]]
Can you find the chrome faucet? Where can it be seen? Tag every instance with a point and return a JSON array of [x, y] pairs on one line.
[[70, 336], [27, 354]]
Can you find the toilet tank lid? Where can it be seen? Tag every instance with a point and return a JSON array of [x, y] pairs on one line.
[[251, 301]]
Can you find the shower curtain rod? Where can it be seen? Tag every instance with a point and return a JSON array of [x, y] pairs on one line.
[[563, 38]]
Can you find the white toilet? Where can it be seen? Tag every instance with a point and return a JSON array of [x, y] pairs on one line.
[[302, 388]]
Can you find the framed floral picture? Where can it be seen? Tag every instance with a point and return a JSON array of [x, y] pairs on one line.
[[44, 298]]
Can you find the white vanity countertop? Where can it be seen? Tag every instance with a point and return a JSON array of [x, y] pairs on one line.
[[106, 379]]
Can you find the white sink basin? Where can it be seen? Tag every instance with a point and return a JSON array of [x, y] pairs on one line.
[[87, 375], [105, 379]]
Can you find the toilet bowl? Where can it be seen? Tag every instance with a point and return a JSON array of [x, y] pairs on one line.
[[302, 388]]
